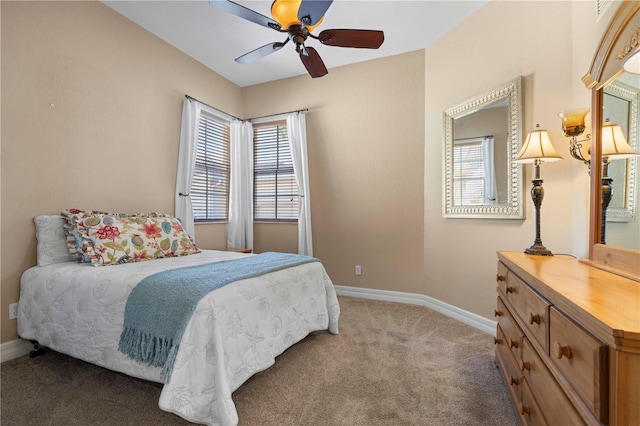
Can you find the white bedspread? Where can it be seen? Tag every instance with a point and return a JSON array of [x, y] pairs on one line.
[[236, 331]]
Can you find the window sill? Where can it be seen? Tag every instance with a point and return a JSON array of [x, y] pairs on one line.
[[276, 222], [211, 222]]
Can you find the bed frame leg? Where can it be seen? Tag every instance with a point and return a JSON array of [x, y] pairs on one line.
[[37, 349]]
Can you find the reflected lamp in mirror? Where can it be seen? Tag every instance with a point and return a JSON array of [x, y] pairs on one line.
[[614, 144], [614, 147], [572, 127], [537, 149]]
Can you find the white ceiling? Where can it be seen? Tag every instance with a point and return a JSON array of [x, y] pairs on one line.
[[216, 38]]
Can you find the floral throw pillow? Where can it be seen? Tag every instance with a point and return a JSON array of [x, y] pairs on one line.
[[113, 239], [72, 217]]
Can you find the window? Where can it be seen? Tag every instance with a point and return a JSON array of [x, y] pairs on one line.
[[602, 6], [468, 173], [275, 192], [210, 186]]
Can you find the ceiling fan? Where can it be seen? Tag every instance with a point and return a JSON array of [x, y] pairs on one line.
[[298, 18]]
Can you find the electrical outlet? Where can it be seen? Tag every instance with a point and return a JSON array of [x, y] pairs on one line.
[[13, 311], [358, 270]]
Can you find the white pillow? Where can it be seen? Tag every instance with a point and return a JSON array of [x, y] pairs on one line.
[[52, 240]]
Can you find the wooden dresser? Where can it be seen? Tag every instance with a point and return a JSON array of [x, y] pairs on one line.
[[568, 341]]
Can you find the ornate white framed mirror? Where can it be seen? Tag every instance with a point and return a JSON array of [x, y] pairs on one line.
[[482, 137]]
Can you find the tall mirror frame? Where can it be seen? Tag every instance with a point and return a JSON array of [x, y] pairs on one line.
[[620, 39], [625, 189], [509, 204]]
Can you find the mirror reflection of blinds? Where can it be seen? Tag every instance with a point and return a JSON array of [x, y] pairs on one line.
[[210, 186], [468, 173], [275, 189], [601, 6]]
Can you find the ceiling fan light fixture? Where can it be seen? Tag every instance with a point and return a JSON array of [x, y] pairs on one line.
[[298, 18], [285, 12]]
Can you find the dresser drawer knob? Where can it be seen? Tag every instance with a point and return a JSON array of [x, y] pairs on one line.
[[524, 409], [559, 351], [513, 343], [514, 381], [497, 313], [500, 278], [534, 318], [497, 341], [524, 365], [511, 289]]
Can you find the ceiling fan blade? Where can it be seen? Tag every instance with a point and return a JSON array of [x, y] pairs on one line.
[[311, 11], [364, 39], [312, 62], [260, 52], [245, 13]]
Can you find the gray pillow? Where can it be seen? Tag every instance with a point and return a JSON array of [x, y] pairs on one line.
[[52, 240]]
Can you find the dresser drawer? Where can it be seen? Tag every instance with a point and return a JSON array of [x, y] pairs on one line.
[[552, 401], [531, 308], [501, 278], [512, 333], [583, 360], [530, 412], [509, 366]]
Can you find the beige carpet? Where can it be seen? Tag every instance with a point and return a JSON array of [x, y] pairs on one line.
[[391, 364]]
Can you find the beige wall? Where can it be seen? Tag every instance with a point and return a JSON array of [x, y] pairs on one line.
[[490, 48], [91, 108], [81, 85], [365, 130]]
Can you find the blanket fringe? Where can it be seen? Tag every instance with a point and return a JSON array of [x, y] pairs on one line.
[[146, 348], [168, 366]]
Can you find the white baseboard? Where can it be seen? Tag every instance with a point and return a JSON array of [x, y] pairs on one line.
[[14, 349], [481, 323]]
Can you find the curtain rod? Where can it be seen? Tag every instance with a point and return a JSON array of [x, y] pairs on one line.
[[191, 98], [281, 113]]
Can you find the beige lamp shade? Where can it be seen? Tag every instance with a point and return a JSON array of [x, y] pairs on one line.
[[632, 64], [537, 146], [614, 144]]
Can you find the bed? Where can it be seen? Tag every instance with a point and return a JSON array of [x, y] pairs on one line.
[[234, 332]]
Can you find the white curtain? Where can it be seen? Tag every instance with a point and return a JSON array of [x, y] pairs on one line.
[[186, 164], [491, 190], [297, 129], [240, 224]]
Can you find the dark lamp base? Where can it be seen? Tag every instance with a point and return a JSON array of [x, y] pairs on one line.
[[538, 250]]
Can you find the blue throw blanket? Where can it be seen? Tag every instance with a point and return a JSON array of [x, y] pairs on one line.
[[160, 306]]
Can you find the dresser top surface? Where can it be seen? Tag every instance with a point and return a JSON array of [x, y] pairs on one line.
[[605, 302]]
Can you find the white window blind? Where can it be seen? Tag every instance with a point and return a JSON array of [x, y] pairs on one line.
[[210, 186], [602, 6], [468, 173], [275, 189]]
